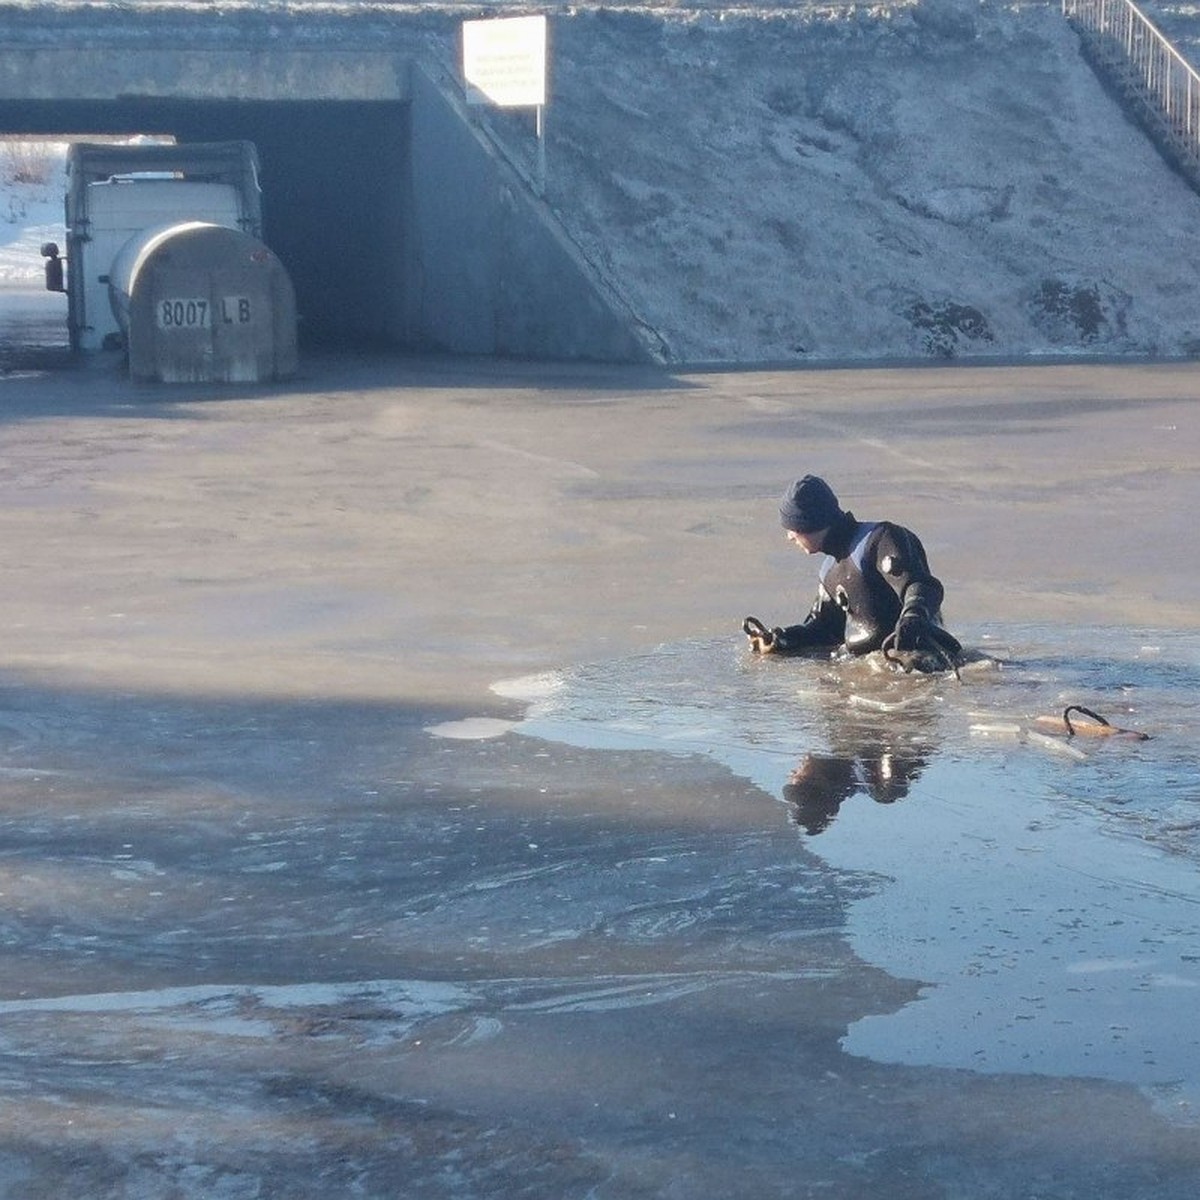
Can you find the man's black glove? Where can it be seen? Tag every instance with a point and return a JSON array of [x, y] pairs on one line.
[[918, 637], [762, 639], [913, 630]]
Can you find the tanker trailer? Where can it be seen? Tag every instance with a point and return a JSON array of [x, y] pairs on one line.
[[198, 302]]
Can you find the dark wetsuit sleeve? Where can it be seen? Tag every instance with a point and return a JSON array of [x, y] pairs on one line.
[[825, 625], [900, 560]]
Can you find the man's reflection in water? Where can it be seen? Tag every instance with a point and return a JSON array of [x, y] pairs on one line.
[[882, 763]]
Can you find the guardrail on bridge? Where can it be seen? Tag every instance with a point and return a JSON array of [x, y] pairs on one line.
[[1156, 80]]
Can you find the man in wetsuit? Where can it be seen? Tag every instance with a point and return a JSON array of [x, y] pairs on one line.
[[876, 590]]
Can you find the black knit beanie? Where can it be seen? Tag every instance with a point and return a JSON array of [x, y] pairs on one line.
[[808, 505]]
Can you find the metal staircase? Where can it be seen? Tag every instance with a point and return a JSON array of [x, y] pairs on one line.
[[1155, 80]]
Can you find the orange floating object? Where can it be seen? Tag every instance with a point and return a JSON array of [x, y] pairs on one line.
[[1094, 726]]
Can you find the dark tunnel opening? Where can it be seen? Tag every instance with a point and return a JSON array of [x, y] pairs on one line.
[[335, 190]]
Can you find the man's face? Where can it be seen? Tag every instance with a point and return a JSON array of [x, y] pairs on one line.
[[810, 543]]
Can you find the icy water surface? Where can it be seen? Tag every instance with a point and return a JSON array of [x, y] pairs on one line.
[[1042, 889]]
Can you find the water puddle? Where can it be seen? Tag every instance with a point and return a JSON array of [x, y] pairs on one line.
[[1043, 889]]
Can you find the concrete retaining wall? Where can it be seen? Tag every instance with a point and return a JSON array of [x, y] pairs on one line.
[[490, 271]]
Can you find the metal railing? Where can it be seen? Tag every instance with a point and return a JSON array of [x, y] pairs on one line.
[[1146, 65]]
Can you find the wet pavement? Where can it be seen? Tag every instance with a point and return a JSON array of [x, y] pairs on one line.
[[33, 329], [389, 807]]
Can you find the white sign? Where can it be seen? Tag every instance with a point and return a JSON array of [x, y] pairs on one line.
[[504, 61]]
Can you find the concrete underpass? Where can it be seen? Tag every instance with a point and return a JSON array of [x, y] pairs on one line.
[[399, 222]]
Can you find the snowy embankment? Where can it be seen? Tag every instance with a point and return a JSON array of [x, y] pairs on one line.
[[941, 180], [32, 185]]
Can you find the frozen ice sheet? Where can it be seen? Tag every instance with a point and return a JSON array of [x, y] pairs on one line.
[[1046, 900]]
